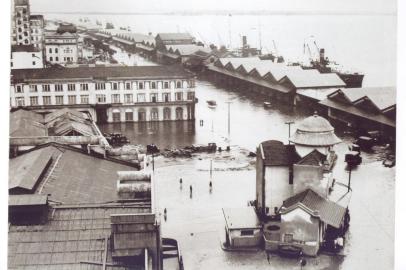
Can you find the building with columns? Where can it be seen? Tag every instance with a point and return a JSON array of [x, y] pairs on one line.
[[110, 94]]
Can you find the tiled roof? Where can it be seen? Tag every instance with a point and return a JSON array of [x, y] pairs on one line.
[[72, 238], [328, 211], [24, 48], [278, 154], [314, 158], [73, 177], [116, 72]]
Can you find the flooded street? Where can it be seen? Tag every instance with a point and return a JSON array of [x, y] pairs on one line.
[[198, 223]]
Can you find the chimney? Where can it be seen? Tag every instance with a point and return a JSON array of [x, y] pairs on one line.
[[244, 41], [322, 55]]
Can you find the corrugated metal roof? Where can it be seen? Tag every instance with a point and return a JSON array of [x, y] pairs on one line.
[[26, 124], [328, 211], [174, 36], [186, 49], [312, 78], [313, 139], [278, 154], [379, 118], [114, 72]]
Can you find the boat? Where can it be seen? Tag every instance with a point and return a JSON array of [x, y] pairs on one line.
[[267, 104], [116, 139], [324, 65], [212, 104]]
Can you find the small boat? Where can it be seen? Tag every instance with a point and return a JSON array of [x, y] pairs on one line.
[[116, 139], [267, 104], [212, 104]]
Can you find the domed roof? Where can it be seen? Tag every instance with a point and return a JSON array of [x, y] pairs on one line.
[[315, 123], [315, 131]]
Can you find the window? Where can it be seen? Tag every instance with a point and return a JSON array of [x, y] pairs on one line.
[[128, 86], [84, 99], [288, 237], [178, 96], [46, 88], [154, 97], [33, 101], [100, 98], [178, 84], [72, 99], [50, 50], [190, 96], [56, 58], [153, 85], [33, 55], [167, 114], [51, 59], [129, 116], [56, 51], [141, 97], [58, 100], [84, 87], [20, 101], [33, 63], [191, 83], [154, 114], [247, 232], [100, 86], [140, 85], [128, 98], [71, 87], [116, 116], [58, 87], [179, 113], [166, 97], [19, 89], [166, 85], [115, 98], [33, 88], [46, 100], [114, 86]]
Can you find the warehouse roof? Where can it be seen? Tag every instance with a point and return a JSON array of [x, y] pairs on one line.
[[116, 72], [312, 78], [174, 36], [27, 199], [186, 49], [316, 205], [241, 218], [27, 124]]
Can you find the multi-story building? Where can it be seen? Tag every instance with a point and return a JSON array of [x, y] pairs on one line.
[[26, 56], [37, 31], [61, 46], [21, 33], [112, 94]]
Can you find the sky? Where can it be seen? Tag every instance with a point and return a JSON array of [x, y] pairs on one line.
[[139, 6]]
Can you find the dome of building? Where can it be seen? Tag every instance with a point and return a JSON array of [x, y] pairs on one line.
[[315, 131]]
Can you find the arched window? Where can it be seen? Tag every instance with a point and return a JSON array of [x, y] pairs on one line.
[[178, 84], [167, 114], [179, 113], [154, 114]]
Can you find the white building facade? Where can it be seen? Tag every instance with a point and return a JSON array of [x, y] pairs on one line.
[[61, 48], [23, 57], [21, 33], [128, 94], [37, 31]]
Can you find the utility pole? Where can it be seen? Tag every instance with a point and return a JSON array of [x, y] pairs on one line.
[[349, 179], [289, 123], [228, 120]]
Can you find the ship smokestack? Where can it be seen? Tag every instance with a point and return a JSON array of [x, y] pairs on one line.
[[322, 59], [244, 41]]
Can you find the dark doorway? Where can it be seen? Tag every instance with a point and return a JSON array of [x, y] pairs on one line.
[[101, 114]]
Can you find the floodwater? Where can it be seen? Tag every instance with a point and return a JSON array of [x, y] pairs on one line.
[[198, 223]]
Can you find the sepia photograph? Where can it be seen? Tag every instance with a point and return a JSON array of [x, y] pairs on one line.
[[182, 135]]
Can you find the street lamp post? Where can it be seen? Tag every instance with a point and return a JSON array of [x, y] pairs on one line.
[[228, 120], [289, 123]]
